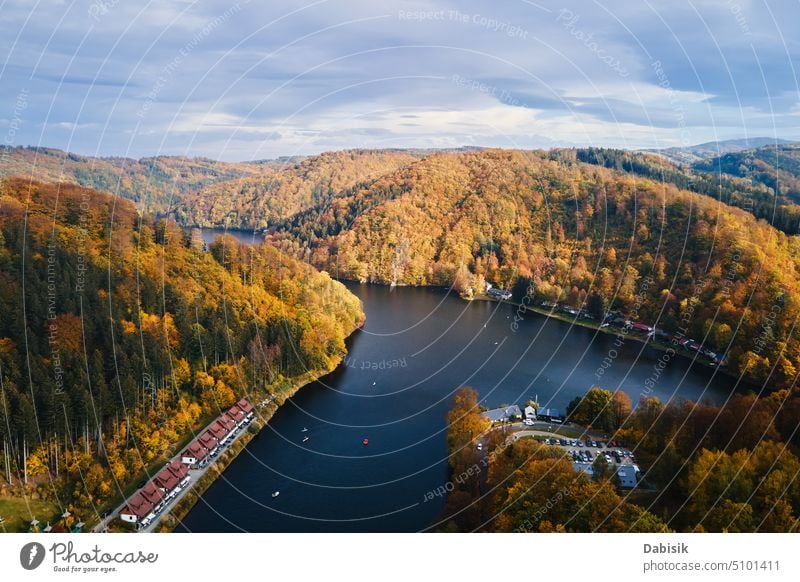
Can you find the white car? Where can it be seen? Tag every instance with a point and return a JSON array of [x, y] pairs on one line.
[[527, 422]]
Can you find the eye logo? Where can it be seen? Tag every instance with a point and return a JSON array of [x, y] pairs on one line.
[[31, 555]]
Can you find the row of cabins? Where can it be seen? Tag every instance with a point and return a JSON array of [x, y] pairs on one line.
[[148, 501], [219, 433], [617, 320]]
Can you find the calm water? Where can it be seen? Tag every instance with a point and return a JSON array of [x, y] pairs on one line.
[[417, 348], [248, 237]]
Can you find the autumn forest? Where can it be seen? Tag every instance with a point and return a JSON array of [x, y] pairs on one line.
[[121, 333]]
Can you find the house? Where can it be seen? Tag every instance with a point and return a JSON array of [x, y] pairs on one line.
[[499, 293], [217, 430], [503, 414], [172, 477], [245, 407], [195, 454], [237, 415], [136, 509], [209, 442], [530, 413], [228, 424], [152, 494], [628, 476], [549, 414]]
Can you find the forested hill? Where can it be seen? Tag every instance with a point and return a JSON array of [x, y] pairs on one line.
[[570, 232], [762, 181], [776, 167], [117, 338], [156, 184], [261, 201]]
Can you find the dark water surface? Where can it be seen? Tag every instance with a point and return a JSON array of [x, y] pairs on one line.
[[417, 347]]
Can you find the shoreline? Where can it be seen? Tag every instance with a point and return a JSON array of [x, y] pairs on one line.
[[175, 515], [679, 352]]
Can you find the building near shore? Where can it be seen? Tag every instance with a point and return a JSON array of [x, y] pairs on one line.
[[503, 414]]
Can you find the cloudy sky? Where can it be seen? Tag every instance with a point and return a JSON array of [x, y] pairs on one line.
[[259, 79]]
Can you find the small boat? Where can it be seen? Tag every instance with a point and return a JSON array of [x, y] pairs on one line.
[[374, 383], [305, 439], [276, 493], [304, 429], [365, 442]]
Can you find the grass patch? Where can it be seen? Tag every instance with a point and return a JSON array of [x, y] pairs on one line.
[[17, 513]]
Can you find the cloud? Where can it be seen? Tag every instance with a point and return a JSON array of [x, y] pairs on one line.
[[255, 79]]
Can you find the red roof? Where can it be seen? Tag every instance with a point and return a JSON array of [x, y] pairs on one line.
[[217, 430], [151, 492], [177, 468], [227, 423], [138, 505], [236, 416], [245, 406], [207, 440], [195, 450], [167, 480], [170, 476]]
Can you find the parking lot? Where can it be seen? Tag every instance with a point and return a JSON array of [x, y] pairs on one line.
[[584, 450]]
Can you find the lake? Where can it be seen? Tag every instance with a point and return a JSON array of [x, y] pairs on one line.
[[244, 236], [419, 345]]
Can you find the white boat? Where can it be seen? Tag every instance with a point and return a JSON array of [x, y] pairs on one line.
[[305, 439], [304, 429], [276, 493]]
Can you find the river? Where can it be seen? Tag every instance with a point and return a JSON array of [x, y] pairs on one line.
[[418, 346]]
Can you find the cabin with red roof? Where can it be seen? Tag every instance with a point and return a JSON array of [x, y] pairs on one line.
[[137, 508], [195, 454], [245, 407], [227, 423]]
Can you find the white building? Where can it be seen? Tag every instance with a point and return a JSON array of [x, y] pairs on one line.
[[628, 476]]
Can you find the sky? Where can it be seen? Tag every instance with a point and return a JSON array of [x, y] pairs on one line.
[[256, 79]]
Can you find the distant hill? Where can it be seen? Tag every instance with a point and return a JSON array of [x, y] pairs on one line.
[[155, 184], [284, 189], [776, 167], [696, 153], [736, 188]]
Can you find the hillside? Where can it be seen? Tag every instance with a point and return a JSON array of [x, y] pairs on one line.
[[117, 338], [776, 167], [722, 181], [711, 149], [574, 233], [259, 202], [155, 184]]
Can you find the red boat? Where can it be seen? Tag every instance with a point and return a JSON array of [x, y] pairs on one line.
[[365, 442]]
